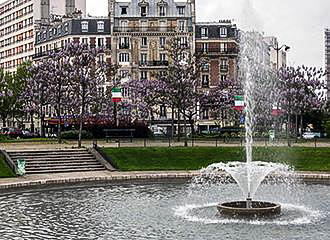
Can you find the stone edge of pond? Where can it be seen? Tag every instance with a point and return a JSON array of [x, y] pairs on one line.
[[95, 177]]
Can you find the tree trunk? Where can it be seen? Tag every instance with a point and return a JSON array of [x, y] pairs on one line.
[[296, 128], [288, 130], [185, 129], [82, 116], [301, 124], [179, 125], [172, 123], [59, 130], [42, 119], [3, 122], [32, 123]]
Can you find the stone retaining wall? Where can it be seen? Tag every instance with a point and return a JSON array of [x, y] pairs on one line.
[[105, 176]]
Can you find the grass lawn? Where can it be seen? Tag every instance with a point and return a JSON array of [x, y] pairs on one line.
[[5, 171], [180, 158]]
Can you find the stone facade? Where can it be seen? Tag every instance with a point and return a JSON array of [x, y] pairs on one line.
[[141, 28], [217, 41]]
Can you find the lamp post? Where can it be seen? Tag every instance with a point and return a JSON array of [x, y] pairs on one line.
[[278, 49]]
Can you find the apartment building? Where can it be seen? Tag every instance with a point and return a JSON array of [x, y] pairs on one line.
[[217, 41], [327, 59], [19, 20], [141, 28]]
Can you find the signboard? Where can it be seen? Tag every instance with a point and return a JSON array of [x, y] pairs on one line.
[[116, 95]]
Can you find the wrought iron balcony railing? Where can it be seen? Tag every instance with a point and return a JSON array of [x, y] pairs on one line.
[[153, 63], [218, 51], [152, 29]]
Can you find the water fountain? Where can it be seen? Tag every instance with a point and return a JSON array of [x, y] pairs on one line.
[[255, 75]]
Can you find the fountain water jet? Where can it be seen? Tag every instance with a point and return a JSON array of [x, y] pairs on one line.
[[254, 73]]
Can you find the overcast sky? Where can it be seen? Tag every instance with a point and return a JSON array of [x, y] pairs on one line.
[[297, 23]]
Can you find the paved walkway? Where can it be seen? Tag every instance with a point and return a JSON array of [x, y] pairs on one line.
[[99, 176], [141, 143]]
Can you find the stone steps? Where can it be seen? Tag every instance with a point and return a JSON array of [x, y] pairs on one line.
[[57, 161]]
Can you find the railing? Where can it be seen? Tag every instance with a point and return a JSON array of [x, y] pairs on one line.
[[224, 68], [217, 50], [153, 63], [123, 46], [151, 29]]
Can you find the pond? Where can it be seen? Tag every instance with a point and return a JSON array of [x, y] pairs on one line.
[[160, 211]]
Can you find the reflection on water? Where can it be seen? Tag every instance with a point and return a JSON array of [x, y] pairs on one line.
[[159, 211]]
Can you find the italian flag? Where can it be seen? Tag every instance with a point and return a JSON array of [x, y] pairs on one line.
[[276, 111], [239, 103], [116, 95]]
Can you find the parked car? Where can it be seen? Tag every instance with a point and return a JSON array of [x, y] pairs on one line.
[[311, 135], [11, 132]]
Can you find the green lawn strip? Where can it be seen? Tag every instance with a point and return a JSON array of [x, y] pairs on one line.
[[5, 171], [180, 158]]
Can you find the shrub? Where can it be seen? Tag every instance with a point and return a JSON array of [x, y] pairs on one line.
[[73, 134]]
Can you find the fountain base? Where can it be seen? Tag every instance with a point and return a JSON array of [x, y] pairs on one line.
[[258, 209]]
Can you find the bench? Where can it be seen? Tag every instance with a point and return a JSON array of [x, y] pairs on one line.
[[118, 134]]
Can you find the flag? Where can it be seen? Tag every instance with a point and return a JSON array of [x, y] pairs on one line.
[[116, 95], [239, 103]]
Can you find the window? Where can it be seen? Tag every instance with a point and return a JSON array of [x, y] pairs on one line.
[[162, 57], [144, 75], [162, 111], [84, 26], [144, 42], [223, 65], [205, 47], [162, 41], [205, 81], [100, 26], [223, 47], [143, 11], [124, 43], [181, 26], [123, 73], [123, 57], [123, 10], [181, 10], [206, 67], [183, 41], [100, 42], [223, 32], [204, 32], [162, 11], [206, 113], [144, 58], [101, 58], [84, 40]]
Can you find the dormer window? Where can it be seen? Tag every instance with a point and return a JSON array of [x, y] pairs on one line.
[[181, 10], [84, 26], [143, 4], [123, 10], [162, 10], [204, 32], [144, 11], [100, 26], [223, 32]]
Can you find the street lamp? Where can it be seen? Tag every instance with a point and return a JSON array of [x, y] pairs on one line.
[[278, 49]]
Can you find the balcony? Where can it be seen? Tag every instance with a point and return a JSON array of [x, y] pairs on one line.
[[146, 64], [224, 68], [149, 29], [123, 46], [217, 51]]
